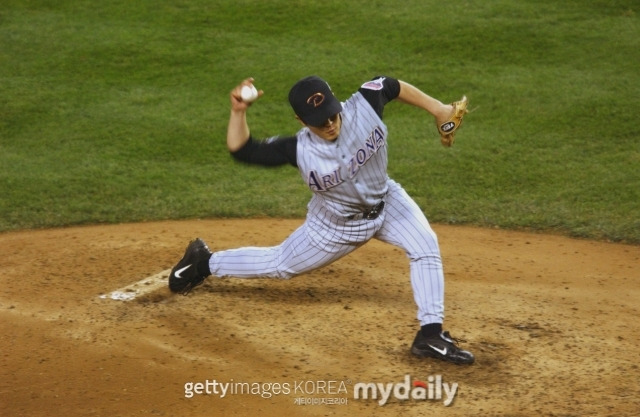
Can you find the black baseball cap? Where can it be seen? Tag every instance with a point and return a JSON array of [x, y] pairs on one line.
[[313, 101]]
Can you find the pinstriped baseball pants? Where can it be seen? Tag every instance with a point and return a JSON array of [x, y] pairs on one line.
[[324, 238]]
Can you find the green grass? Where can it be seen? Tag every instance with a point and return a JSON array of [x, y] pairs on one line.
[[116, 111]]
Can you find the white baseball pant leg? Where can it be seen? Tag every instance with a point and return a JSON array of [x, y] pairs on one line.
[[406, 227], [322, 239]]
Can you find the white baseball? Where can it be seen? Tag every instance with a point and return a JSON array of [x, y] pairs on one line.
[[249, 93]]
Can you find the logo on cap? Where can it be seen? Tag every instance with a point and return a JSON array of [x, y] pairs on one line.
[[316, 99]]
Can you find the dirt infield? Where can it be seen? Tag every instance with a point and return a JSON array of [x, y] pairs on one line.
[[553, 323]]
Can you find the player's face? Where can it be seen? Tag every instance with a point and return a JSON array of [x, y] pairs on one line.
[[330, 129]]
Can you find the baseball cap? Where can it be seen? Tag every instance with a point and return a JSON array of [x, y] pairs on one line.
[[313, 101]]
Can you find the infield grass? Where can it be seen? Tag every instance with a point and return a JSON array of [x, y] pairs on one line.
[[116, 111]]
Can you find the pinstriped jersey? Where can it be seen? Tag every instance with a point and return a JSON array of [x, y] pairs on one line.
[[349, 174]]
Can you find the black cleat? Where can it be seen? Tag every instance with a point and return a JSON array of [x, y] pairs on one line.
[[192, 269], [441, 346]]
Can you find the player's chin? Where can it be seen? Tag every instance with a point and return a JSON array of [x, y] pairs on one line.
[[331, 134], [326, 134]]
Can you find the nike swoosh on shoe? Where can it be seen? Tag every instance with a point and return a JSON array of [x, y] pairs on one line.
[[180, 271], [440, 351]]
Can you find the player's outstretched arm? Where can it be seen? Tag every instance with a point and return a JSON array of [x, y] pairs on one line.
[[238, 130], [410, 94]]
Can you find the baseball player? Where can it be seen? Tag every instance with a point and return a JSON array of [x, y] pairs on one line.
[[341, 154]]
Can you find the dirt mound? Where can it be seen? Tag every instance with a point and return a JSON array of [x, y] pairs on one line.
[[553, 323]]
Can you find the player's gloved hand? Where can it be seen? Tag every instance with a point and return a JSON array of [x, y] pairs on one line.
[[447, 127]]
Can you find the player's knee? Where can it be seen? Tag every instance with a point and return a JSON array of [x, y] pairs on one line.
[[284, 274], [426, 256]]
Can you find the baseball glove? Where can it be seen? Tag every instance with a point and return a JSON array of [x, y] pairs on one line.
[[447, 128]]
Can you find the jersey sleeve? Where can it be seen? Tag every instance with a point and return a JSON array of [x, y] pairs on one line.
[[269, 152], [379, 91]]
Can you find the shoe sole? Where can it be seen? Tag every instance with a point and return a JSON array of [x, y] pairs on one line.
[[428, 354]]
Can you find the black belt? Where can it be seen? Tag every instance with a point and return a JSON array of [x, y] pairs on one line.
[[370, 214]]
